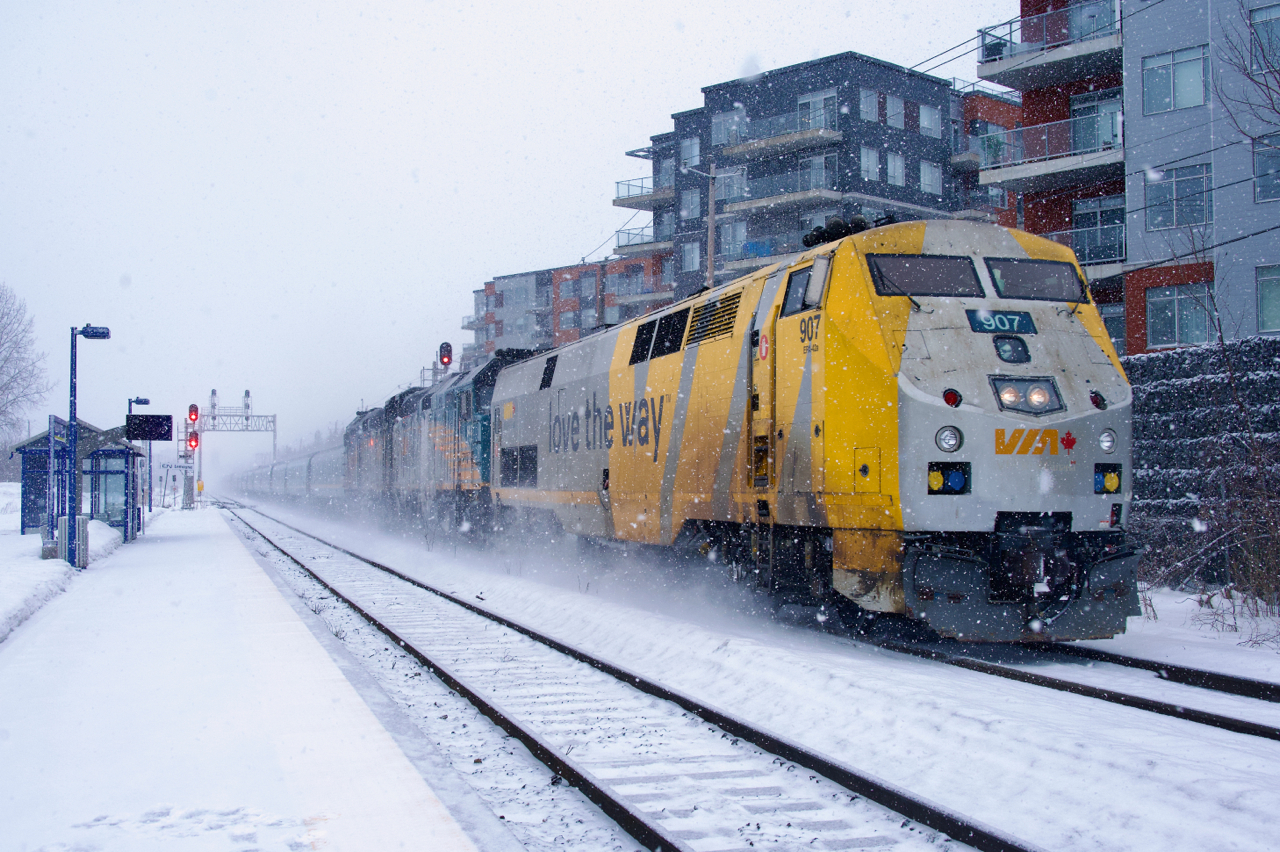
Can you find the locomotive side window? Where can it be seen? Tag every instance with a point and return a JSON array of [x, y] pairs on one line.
[[518, 467], [644, 338], [548, 372], [1048, 280], [670, 335], [923, 275], [797, 286]]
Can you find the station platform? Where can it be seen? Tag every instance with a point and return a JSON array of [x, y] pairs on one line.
[[176, 697]]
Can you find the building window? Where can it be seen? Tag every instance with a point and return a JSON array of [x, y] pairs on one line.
[[817, 110], [818, 172], [895, 111], [1097, 229], [731, 185], [690, 151], [1179, 197], [931, 121], [666, 173], [1175, 80], [1178, 314], [1113, 319], [1265, 25], [870, 164], [690, 257], [869, 105], [897, 169], [1096, 120], [732, 235], [668, 272], [568, 320], [1266, 168], [1268, 278], [930, 177], [727, 127], [690, 204]]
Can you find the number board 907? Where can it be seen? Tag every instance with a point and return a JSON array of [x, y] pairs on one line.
[[1001, 322]]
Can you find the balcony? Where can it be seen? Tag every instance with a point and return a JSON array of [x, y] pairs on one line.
[[759, 251], [1082, 40], [982, 203], [791, 189], [1103, 244], [641, 194], [792, 131], [1085, 149], [643, 240], [473, 322]]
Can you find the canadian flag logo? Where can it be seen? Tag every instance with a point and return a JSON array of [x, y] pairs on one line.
[[1068, 441]]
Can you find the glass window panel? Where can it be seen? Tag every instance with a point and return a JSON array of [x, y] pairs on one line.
[[1266, 168], [1188, 82], [923, 275], [897, 169], [1160, 204], [931, 121], [1050, 280], [690, 204], [796, 286], [869, 105], [690, 151], [870, 164], [1193, 315], [895, 111], [1162, 324], [691, 257], [1268, 298], [1157, 89]]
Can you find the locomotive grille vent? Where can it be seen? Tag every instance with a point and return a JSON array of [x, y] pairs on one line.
[[714, 318]]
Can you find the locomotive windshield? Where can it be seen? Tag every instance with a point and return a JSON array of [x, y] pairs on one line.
[[1048, 280], [923, 275]]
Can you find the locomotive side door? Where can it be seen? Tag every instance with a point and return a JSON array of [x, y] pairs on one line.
[[760, 469], [797, 365]]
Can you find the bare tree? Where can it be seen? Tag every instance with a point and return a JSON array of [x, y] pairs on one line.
[[23, 382], [1250, 92]]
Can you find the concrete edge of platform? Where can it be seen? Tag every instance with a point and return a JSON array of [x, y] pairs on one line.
[[464, 803]]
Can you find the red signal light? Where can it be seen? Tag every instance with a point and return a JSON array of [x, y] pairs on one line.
[[193, 412], [193, 440], [446, 354], [952, 397]]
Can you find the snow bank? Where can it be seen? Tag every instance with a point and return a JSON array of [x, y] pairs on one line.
[[28, 582]]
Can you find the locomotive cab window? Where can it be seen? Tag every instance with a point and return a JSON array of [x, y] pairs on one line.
[[797, 286], [1046, 280], [923, 275]]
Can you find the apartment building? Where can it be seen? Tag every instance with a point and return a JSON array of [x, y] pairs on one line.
[[551, 307], [1129, 154], [837, 136]]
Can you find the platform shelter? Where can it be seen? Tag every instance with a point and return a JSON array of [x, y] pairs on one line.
[[110, 485]]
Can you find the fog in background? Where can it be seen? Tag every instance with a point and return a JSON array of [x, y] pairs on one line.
[[299, 198]]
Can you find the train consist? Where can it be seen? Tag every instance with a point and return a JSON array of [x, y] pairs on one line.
[[926, 418]]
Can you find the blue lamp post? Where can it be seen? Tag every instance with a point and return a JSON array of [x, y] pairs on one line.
[[89, 332]]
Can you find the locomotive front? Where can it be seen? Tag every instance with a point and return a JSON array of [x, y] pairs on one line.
[[1013, 460]]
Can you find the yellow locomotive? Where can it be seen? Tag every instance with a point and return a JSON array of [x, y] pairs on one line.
[[926, 418]]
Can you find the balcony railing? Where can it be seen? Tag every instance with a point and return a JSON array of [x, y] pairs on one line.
[[1076, 23], [986, 198], [634, 188], [642, 236], [753, 130], [768, 187], [1103, 244], [1080, 135], [765, 246]]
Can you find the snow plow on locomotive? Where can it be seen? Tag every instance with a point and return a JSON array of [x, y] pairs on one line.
[[926, 419]]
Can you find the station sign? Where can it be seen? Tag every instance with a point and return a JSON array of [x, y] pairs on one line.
[[148, 427]]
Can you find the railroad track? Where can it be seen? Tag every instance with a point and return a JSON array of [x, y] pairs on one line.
[[672, 772], [1246, 696]]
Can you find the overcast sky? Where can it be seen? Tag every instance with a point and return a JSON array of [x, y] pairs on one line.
[[299, 198]]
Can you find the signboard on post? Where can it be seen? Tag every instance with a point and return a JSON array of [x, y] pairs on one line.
[[148, 427]]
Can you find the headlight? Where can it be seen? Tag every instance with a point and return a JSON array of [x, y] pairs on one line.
[[1107, 441], [949, 439], [1010, 396], [1039, 396], [1035, 396]]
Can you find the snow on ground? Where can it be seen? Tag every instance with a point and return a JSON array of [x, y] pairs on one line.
[[26, 580], [1065, 772], [173, 699]]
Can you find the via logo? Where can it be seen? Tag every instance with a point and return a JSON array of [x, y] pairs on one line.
[[1033, 441]]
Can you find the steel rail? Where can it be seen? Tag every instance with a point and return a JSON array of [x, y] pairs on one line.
[[916, 808], [1164, 708], [1215, 681]]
